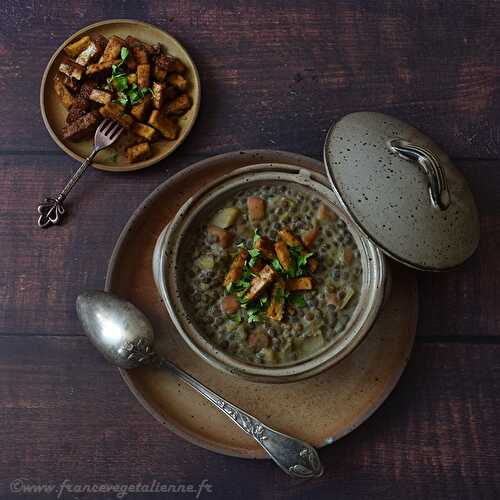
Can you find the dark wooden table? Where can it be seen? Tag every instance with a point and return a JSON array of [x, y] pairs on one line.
[[275, 74]]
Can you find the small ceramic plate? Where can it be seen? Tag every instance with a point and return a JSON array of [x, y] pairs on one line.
[[320, 409], [54, 114]]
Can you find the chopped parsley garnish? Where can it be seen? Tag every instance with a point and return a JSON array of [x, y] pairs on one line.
[[276, 294], [128, 94]]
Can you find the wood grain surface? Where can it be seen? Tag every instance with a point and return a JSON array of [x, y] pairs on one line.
[[275, 74]]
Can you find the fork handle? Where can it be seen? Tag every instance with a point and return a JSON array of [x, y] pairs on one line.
[[51, 209]]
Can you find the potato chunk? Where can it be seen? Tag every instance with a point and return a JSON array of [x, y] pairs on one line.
[[264, 279], [179, 106], [139, 152], [225, 217], [168, 128], [143, 71], [74, 49], [236, 269], [116, 112], [303, 283], [256, 208], [144, 131]]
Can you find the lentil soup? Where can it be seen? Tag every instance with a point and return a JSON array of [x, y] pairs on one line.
[[273, 274]]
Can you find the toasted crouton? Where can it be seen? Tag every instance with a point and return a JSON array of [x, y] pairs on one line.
[[74, 49], [178, 81], [70, 83], [283, 254], [159, 73], [264, 279], [266, 247], [113, 49], [179, 106], [256, 208], [140, 55], [144, 131], [139, 152], [168, 128], [81, 128], [143, 79], [139, 111], [116, 112], [71, 68], [236, 269], [277, 304], [98, 69], [91, 53], [178, 67], [289, 238], [63, 93], [303, 283], [158, 94], [100, 41], [133, 42], [100, 96]]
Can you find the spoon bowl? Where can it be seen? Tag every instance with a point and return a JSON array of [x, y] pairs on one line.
[[119, 331]]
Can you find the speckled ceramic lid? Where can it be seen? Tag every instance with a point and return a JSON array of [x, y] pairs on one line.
[[402, 191]]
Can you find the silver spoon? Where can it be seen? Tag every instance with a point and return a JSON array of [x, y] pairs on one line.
[[124, 336]]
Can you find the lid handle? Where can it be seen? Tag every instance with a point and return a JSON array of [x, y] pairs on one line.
[[438, 186]]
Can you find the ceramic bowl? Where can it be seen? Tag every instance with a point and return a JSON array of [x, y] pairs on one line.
[[169, 253]]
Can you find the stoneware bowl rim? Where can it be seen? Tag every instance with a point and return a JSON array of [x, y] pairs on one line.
[[166, 258]]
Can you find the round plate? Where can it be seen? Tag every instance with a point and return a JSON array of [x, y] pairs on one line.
[[320, 409], [54, 113]]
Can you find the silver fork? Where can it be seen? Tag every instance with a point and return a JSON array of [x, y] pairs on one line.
[[51, 209]]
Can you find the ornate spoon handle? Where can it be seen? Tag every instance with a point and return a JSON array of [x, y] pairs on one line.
[[295, 457]]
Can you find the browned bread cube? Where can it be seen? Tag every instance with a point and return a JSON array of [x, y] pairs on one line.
[[167, 127], [74, 49], [143, 71], [144, 131], [113, 48], [178, 81], [116, 112], [101, 68], [71, 68], [139, 152], [141, 110], [179, 106], [100, 96], [159, 91], [63, 93], [82, 127]]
